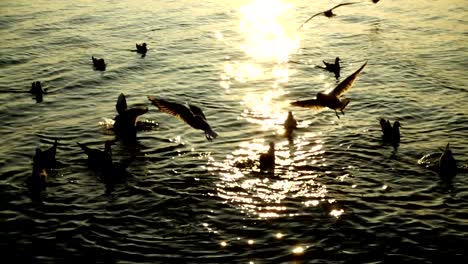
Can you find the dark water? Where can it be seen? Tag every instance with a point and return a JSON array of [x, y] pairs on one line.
[[338, 194]]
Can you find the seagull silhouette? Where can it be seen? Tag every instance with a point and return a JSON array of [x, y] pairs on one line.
[[191, 115], [43, 162], [267, 160], [447, 165], [390, 133], [98, 64], [141, 48], [328, 13], [331, 99], [289, 124], [333, 67], [125, 121]]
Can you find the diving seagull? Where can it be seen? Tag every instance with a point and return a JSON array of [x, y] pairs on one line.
[[328, 13], [192, 115], [331, 99]]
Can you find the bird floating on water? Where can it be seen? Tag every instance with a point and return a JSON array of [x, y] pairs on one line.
[[37, 91], [141, 48], [125, 121], [390, 133], [331, 99], [43, 162], [99, 64], [267, 160], [447, 165], [99, 159], [333, 67], [289, 124], [191, 115], [328, 13]]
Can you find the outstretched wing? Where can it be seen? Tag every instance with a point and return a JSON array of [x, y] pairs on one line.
[[309, 20], [197, 111], [175, 109], [342, 5], [121, 105], [348, 82], [310, 103]]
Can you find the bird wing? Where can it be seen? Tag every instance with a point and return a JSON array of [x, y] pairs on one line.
[[121, 105], [178, 110], [310, 103], [309, 20], [350, 3], [197, 111], [348, 82]]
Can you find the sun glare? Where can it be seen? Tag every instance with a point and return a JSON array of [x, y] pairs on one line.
[[269, 37]]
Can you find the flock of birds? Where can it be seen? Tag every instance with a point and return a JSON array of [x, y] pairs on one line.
[[126, 125]]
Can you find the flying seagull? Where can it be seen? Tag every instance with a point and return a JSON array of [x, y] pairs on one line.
[[328, 13], [191, 115], [331, 99]]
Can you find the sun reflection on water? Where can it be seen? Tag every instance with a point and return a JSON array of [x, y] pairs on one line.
[[265, 195], [269, 36]]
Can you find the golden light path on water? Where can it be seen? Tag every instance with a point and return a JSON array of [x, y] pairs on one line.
[[268, 40]]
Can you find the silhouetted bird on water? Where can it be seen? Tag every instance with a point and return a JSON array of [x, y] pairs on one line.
[[375, 1], [191, 115], [142, 49], [36, 90], [125, 121], [99, 64], [289, 124], [328, 13], [101, 162], [331, 99], [390, 134], [43, 162], [99, 159], [267, 160], [447, 165], [333, 67]]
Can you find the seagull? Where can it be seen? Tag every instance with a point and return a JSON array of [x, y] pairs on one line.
[[328, 13], [37, 90], [141, 48], [43, 162], [290, 124], [375, 1], [125, 121], [191, 115], [333, 67], [267, 160], [99, 64], [447, 165], [331, 99], [390, 133], [98, 159]]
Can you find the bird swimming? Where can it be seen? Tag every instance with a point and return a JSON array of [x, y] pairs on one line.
[[99, 159], [289, 124], [192, 115], [333, 67], [267, 160], [43, 162], [328, 13], [36, 89], [331, 99], [390, 133], [126, 119], [141, 48], [99, 64], [447, 165]]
